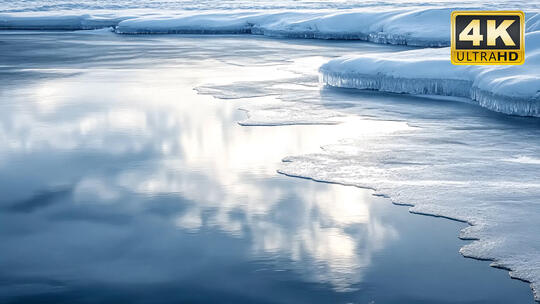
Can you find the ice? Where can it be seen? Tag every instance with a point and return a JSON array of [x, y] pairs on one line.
[[391, 26], [459, 173], [508, 89], [217, 23], [456, 160], [54, 21], [263, 108], [483, 174], [404, 26]]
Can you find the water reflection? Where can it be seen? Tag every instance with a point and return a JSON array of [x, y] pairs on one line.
[[124, 181], [110, 171]]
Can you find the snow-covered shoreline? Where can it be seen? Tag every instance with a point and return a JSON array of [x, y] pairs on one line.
[[511, 90], [386, 26], [426, 27]]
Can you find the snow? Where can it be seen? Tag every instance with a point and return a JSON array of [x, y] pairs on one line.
[[508, 89], [409, 26], [457, 161], [53, 21], [470, 180], [452, 172]]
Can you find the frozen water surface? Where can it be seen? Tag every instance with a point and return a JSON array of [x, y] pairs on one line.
[[456, 161], [121, 183], [508, 89], [114, 157]]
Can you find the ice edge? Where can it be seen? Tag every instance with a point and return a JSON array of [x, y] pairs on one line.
[[416, 210], [429, 86]]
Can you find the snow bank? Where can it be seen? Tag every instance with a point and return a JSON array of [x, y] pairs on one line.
[[507, 89], [54, 21], [385, 26], [411, 26], [416, 27]]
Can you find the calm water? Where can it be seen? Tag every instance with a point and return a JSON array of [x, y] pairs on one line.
[[120, 184]]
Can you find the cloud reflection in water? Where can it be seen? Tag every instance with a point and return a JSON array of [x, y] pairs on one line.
[[127, 176]]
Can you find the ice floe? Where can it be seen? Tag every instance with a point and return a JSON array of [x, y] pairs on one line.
[[58, 21], [463, 174], [403, 26], [457, 161], [507, 89]]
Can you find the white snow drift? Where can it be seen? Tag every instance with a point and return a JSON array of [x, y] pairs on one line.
[[507, 89], [410, 26], [386, 26], [54, 21]]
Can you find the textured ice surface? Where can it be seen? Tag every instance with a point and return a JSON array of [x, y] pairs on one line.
[[507, 89], [450, 173], [459, 161], [455, 172], [262, 108], [55, 21]]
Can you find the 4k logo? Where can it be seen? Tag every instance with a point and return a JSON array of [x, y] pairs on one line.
[[488, 37]]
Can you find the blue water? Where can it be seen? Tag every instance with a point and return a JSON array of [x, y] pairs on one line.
[[121, 184]]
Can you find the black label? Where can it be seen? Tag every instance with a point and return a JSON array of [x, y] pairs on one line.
[[513, 32]]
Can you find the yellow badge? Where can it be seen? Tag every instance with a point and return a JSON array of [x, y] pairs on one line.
[[488, 37]]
